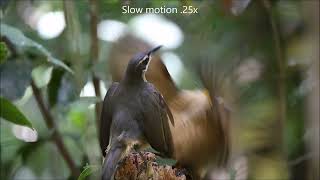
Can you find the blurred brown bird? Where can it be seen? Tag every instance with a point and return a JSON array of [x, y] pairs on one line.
[[201, 130]]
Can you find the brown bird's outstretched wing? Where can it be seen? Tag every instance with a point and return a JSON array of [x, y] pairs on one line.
[[106, 118], [219, 115], [213, 78], [156, 120]]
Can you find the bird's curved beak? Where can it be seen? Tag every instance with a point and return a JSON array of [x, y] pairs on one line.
[[146, 60], [153, 50]]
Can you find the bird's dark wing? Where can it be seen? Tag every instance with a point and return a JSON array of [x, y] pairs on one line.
[[156, 120], [106, 118]]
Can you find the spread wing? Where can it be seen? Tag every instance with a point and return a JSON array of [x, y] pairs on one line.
[[156, 120], [106, 118]]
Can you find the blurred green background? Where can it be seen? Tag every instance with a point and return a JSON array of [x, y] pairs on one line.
[[269, 48]]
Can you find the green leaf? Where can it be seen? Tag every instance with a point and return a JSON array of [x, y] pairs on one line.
[[4, 52], [42, 75], [165, 161], [88, 170], [11, 113], [232, 173], [78, 118], [160, 160], [18, 39], [54, 86], [26, 96], [28, 148]]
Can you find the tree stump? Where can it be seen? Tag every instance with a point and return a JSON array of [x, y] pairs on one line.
[[133, 167]]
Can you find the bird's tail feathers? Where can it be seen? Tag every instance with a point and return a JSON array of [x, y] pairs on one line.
[[113, 157]]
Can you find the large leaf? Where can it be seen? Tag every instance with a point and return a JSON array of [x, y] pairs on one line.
[[15, 78], [26, 96], [42, 75], [10, 112], [27, 148], [17, 38], [88, 170]]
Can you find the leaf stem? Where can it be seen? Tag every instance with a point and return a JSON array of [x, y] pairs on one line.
[[57, 138], [94, 52]]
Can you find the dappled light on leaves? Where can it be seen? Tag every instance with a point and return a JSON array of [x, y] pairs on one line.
[[174, 65], [111, 30], [51, 24], [164, 31], [241, 78], [249, 71], [88, 89]]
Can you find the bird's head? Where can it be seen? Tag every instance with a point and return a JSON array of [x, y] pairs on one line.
[[138, 65]]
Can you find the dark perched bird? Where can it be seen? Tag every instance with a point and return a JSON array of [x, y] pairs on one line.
[[134, 115], [201, 132]]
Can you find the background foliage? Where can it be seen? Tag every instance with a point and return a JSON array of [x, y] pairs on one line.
[[271, 48]]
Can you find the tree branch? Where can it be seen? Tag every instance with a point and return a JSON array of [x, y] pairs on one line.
[[94, 52], [281, 67], [74, 40], [51, 126]]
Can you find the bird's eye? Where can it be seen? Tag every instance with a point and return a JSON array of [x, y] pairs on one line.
[[145, 61]]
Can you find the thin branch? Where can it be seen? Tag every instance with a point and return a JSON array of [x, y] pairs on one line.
[[74, 40], [94, 52], [47, 116], [281, 66], [300, 159]]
